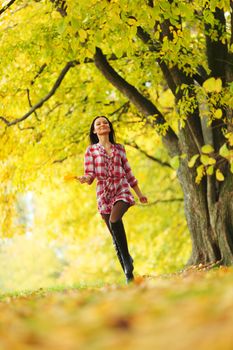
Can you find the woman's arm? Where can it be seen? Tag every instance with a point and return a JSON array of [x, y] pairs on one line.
[[142, 198], [131, 178], [89, 169]]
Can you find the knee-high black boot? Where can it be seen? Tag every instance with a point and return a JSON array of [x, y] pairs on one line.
[[118, 252], [119, 235], [106, 219]]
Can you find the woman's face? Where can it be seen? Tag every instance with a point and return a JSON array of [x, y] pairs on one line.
[[101, 126]]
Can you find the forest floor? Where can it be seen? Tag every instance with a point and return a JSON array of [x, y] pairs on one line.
[[188, 310]]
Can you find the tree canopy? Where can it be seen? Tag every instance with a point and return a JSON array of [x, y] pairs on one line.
[[162, 70]]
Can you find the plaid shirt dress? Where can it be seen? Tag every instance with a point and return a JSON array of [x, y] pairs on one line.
[[113, 174]]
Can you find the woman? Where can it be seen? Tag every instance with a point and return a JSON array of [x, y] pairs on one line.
[[106, 160]]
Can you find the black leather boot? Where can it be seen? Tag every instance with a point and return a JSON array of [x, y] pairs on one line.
[[118, 252], [120, 239]]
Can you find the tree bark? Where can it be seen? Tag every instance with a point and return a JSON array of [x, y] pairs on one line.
[[209, 220]]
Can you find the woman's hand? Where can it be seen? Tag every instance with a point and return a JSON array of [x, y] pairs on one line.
[[143, 199], [84, 179]]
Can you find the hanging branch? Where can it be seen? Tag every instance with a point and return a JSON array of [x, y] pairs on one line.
[[6, 7], [44, 99], [157, 160], [161, 201]]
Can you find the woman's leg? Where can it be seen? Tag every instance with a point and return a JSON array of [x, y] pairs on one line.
[[118, 210], [106, 218], [118, 232]]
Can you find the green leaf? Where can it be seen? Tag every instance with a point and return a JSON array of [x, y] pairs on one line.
[[175, 162], [82, 34], [207, 149], [210, 170], [192, 161], [219, 175], [224, 151], [183, 156]]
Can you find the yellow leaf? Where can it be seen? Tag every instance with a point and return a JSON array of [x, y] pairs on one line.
[[193, 160], [207, 149], [132, 21], [200, 173], [213, 85], [229, 136], [218, 114], [82, 34], [69, 177], [232, 167], [219, 175], [212, 160], [204, 159]]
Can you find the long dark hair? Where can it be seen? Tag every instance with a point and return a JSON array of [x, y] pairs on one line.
[[94, 138]]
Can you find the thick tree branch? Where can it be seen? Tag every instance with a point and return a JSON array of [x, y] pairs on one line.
[[53, 90], [229, 64], [44, 99], [178, 76], [6, 7], [231, 41], [157, 160], [155, 47], [174, 78], [217, 57], [145, 106], [216, 50]]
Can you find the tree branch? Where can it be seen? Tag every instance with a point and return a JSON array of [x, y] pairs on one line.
[[161, 201], [42, 68], [30, 103], [156, 46], [6, 7], [199, 77], [44, 99], [157, 160], [231, 41], [216, 50], [61, 7], [145, 106]]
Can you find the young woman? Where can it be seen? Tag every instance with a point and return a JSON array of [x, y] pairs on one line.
[[106, 161]]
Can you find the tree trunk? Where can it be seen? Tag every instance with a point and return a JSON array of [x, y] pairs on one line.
[[208, 206]]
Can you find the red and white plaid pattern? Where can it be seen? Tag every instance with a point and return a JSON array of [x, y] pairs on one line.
[[113, 174]]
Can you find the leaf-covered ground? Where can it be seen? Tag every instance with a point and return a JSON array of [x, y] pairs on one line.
[[191, 310]]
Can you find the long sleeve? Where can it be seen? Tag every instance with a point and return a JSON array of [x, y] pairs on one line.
[[129, 175], [89, 168]]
